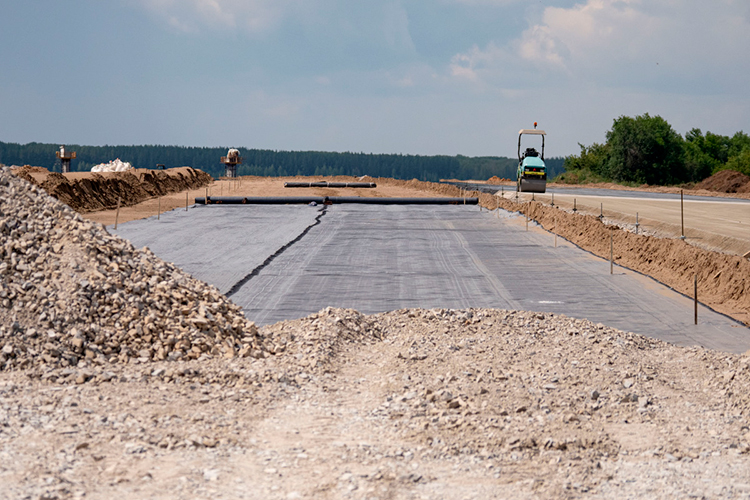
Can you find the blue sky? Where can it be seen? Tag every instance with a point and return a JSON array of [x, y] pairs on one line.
[[390, 76]]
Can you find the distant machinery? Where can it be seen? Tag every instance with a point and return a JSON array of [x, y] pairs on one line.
[[65, 157], [230, 161]]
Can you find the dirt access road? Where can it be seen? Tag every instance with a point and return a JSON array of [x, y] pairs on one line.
[[410, 404]]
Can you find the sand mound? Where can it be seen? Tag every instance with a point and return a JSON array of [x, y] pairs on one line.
[[72, 293], [497, 180], [88, 192], [726, 181]]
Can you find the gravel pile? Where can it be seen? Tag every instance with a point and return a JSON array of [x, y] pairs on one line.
[[71, 293], [439, 403]]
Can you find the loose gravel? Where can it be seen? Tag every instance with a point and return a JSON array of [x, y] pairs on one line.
[[72, 295]]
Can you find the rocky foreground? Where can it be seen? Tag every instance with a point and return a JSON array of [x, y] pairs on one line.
[[123, 377], [406, 404]]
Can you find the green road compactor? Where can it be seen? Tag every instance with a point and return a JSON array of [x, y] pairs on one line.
[[532, 173]]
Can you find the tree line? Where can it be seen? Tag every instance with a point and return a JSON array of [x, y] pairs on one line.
[[646, 150], [272, 163]]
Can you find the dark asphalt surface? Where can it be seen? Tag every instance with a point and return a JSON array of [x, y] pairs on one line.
[[378, 258]]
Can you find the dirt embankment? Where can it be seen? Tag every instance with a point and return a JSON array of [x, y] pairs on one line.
[[723, 280], [90, 192], [726, 181]]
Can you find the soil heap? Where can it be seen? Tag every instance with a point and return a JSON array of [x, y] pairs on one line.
[[726, 181], [70, 292], [88, 192], [497, 180]]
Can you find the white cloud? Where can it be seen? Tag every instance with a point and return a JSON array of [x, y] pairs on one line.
[[255, 16], [625, 42]]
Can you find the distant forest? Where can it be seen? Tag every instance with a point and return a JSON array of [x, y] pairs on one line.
[[275, 163]]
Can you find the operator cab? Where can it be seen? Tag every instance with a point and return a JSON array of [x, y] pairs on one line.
[[531, 152]]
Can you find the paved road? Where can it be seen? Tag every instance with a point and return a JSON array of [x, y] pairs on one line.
[[382, 258]]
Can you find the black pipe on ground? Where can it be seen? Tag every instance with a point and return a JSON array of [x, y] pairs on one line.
[[352, 185], [305, 184], [333, 200], [330, 184]]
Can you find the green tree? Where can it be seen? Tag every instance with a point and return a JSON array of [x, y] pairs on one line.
[[705, 154], [645, 149], [592, 158]]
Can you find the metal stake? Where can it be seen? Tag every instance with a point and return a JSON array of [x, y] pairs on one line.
[[682, 218], [636, 223], [555, 232], [611, 252], [574, 206], [553, 200], [117, 213]]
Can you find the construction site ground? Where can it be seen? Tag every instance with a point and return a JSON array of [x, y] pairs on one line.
[[379, 258], [454, 403]]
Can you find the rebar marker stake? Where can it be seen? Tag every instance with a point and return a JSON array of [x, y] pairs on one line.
[[682, 217], [695, 294], [555, 232], [117, 213]]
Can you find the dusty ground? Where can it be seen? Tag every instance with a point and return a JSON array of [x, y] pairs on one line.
[[254, 186], [408, 404]]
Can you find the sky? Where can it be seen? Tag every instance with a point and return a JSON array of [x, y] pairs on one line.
[[389, 76]]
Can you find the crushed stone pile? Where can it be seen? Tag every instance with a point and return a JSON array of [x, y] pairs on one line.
[[432, 403], [89, 192], [726, 181], [72, 293], [116, 165]]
